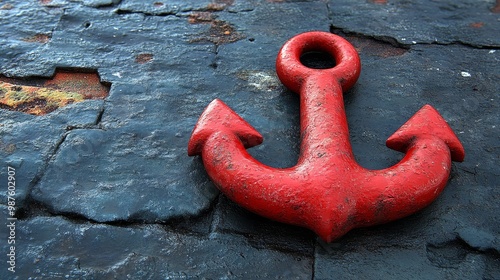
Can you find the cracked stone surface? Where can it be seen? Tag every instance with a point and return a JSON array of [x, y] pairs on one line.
[[152, 251], [105, 189], [466, 22], [28, 142]]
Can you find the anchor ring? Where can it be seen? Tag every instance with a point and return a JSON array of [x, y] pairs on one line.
[[292, 72]]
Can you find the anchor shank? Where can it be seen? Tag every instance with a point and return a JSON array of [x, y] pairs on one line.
[[323, 123]]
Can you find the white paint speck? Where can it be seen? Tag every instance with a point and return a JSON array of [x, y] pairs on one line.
[[492, 51], [263, 80], [414, 42], [117, 74], [465, 74]]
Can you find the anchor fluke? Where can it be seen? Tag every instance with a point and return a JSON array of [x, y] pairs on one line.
[[218, 117], [426, 122]]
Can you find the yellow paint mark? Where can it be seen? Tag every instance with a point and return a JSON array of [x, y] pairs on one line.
[[38, 96], [35, 100]]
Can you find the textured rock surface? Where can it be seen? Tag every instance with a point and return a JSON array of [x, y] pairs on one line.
[[105, 189], [466, 22], [86, 250], [28, 143]]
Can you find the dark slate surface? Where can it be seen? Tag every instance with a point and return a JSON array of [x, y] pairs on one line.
[[467, 22], [54, 247], [106, 190], [29, 142]]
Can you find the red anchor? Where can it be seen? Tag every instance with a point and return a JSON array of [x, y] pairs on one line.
[[327, 190]]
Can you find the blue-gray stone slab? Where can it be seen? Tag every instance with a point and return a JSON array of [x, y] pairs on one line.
[[55, 247], [365, 256], [106, 189], [467, 22], [27, 143], [19, 27], [125, 174]]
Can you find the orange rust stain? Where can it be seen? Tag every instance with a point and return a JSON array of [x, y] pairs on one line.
[[201, 17], [496, 8], [45, 2], [158, 4], [219, 5], [38, 38], [143, 58], [220, 31], [215, 7], [477, 24], [379, 1], [86, 84], [38, 96]]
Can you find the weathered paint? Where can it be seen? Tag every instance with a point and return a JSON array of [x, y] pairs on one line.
[[41, 96]]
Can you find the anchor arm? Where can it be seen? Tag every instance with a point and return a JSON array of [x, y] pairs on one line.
[[221, 138], [284, 195], [407, 187]]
